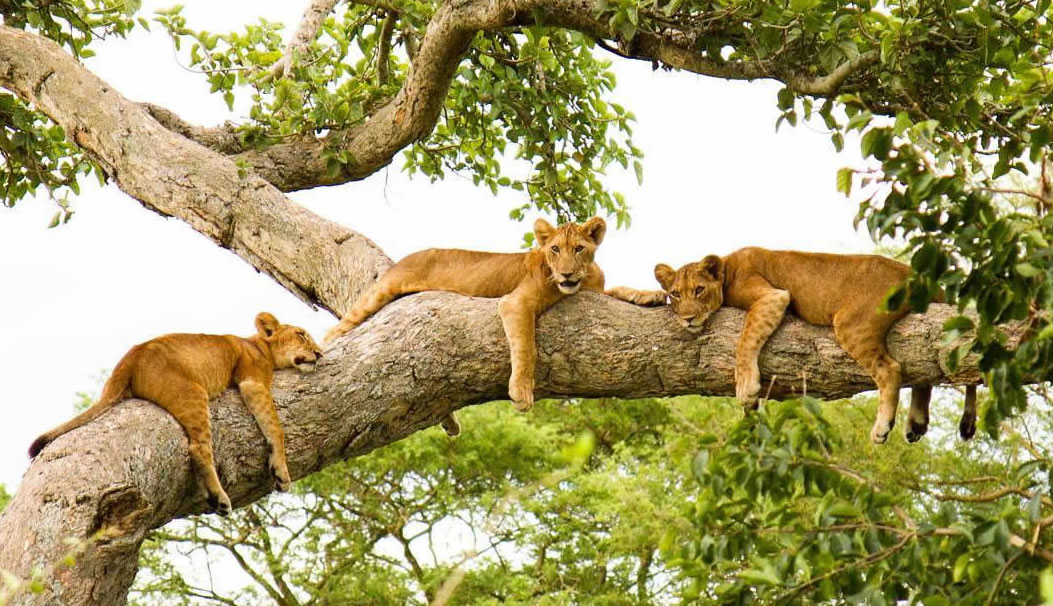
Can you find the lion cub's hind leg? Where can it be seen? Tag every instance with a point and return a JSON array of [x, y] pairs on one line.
[[190, 409], [764, 316], [862, 335], [258, 400], [967, 424], [918, 419]]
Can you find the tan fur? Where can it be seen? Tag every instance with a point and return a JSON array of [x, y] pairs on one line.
[[527, 283], [842, 291], [181, 372]]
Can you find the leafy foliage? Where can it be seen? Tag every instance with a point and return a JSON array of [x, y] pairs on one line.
[[537, 98], [679, 498], [34, 151], [569, 501]]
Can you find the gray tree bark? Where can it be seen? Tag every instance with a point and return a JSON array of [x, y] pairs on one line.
[[403, 370], [107, 484]]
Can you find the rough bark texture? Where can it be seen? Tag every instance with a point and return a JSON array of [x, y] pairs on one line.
[[403, 370]]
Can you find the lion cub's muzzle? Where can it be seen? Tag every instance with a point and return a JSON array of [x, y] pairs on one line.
[[694, 324], [569, 284], [305, 363], [569, 287]]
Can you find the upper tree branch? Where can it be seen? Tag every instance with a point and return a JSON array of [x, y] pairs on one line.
[[301, 163], [173, 176]]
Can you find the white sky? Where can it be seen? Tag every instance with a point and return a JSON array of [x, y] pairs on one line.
[[75, 298]]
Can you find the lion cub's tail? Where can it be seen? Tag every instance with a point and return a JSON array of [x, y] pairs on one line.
[[115, 390]]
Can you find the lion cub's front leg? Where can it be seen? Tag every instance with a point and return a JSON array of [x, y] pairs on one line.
[[257, 397], [518, 318], [764, 316], [646, 298]]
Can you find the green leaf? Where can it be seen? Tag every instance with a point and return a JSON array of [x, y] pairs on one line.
[[638, 167], [1045, 586], [959, 323], [1027, 270], [843, 509], [844, 180], [960, 566], [876, 142]]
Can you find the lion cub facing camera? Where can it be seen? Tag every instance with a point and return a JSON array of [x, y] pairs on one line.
[[181, 372]]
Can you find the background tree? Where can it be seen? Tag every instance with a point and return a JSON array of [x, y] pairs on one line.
[[948, 97], [786, 507]]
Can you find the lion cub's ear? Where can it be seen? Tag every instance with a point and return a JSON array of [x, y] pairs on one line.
[[543, 230], [594, 229], [665, 276], [712, 267], [266, 324]]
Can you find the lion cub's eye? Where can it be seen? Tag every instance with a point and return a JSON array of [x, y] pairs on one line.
[[701, 290], [302, 337], [674, 295], [555, 249], [579, 248]]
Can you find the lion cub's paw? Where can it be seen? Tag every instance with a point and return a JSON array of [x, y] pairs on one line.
[[522, 394], [746, 393], [881, 430], [451, 426], [915, 430], [220, 504], [281, 478], [967, 427], [334, 333]]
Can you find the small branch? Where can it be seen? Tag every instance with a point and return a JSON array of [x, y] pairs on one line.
[[306, 32], [387, 29], [828, 85], [1001, 575]]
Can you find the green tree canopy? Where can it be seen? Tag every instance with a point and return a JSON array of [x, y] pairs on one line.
[[952, 101]]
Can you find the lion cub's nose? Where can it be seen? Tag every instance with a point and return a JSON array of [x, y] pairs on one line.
[[318, 353], [566, 275]]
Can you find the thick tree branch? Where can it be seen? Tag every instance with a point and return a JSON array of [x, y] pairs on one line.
[[173, 176], [403, 370]]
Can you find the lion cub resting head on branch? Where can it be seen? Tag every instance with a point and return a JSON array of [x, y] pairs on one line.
[[181, 372], [528, 283], [842, 291]]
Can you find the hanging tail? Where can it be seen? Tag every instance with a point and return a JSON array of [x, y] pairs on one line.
[[115, 390]]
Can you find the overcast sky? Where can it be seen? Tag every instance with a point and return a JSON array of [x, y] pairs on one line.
[[716, 177]]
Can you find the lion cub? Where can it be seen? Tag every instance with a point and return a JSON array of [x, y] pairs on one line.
[[528, 284], [842, 291], [180, 372]]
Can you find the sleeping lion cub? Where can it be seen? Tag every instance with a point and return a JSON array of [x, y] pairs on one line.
[[528, 284], [842, 291], [180, 372]]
